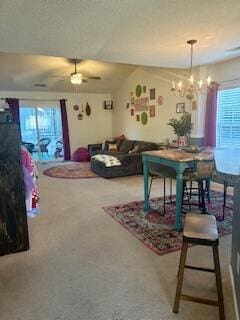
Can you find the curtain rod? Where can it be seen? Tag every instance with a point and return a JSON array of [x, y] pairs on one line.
[[230, 80], [27, 99]]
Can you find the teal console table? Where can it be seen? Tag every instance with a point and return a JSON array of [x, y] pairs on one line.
[[180, 161]]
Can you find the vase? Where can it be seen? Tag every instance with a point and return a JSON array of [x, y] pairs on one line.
[[182, 141]]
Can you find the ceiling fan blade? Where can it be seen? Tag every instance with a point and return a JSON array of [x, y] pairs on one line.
[[94, 78], [62, 77], [84, 80]]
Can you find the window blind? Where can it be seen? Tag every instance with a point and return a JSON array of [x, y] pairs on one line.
[[228, 119]]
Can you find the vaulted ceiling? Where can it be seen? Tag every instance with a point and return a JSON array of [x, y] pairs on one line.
[[137, 32]]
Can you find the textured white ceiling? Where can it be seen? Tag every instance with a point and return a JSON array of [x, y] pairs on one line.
[[20, 72], [146, 32]]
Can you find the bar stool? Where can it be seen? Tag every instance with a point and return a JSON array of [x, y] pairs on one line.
[[200, 229], [161, 171]]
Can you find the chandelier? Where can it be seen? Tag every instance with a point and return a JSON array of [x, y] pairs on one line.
[[192, 90]]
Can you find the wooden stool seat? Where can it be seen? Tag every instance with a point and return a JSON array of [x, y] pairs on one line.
[[200, 226], [200, 229]]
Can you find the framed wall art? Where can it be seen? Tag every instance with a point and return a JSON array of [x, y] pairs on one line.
[[152, 111], [180, 107], [152, 94]]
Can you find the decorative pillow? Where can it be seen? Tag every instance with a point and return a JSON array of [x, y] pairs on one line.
[[112, 147], [126, 146], [104, 143], [134, 150], [107, 142], [121, 137]]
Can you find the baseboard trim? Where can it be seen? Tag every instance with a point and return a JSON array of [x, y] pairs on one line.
[[234, 293]]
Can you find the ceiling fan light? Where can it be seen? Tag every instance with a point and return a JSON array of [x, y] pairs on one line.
[[76, 78]]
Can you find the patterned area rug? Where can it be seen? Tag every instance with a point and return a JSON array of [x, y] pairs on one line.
[[78, 170], [155, 230]]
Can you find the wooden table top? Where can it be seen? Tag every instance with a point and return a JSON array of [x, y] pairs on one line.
[[181, 155]]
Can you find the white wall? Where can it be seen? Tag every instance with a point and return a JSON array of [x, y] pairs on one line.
[[156, 128], [92, 129]]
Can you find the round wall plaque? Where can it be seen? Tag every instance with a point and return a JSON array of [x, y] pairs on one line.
[[144, 118], [138, 90], [76, 107], [160, 100]]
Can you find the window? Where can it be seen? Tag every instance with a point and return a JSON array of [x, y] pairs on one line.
[[228, 119]]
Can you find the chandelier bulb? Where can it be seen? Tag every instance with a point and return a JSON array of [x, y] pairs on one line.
[[209, 80], [180, 85], [191, 79]]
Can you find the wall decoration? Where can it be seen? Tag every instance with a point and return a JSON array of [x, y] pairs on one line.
[[138, 117], [152, 111], [80, 116], [160, 100], [132, 112], [88, 109], [144, 118], [76, 107], [180, 107], [138, 90], [141, 104], [127, 105], [108, 104], [144, 89], [132, 101], [194, 105], [152, 94]]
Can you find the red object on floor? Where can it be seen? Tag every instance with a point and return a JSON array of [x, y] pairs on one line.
[[81, 155]]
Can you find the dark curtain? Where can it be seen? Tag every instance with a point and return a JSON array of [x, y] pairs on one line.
[[14, 108], [66, 143], [211, 116]]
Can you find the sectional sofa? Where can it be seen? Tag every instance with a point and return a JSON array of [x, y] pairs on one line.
[[129, 153]]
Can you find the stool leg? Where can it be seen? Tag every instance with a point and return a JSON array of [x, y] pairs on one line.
[[208, 184], [180, 277], [225, 184], [164, 195], [170, 190], [219, 283]]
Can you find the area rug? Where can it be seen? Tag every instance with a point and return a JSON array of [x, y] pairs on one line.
[[78, 170], [155, 230]]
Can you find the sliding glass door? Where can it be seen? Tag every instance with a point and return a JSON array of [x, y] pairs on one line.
[[41, 126]]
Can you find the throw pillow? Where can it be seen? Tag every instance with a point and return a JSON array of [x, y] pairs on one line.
[[112, 147], [107, 142], [134, 150], [121, 137], [104, 143], [126, 145]]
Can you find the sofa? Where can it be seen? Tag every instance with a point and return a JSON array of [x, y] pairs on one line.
[[128, 152]]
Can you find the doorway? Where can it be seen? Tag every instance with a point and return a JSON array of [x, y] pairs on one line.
[[41, 127]]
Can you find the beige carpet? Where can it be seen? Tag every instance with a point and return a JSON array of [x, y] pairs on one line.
[[83, 265]]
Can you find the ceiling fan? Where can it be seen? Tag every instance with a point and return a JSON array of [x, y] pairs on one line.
[[76, 77]]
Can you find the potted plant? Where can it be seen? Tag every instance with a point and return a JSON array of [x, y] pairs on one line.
[[182, 127]]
